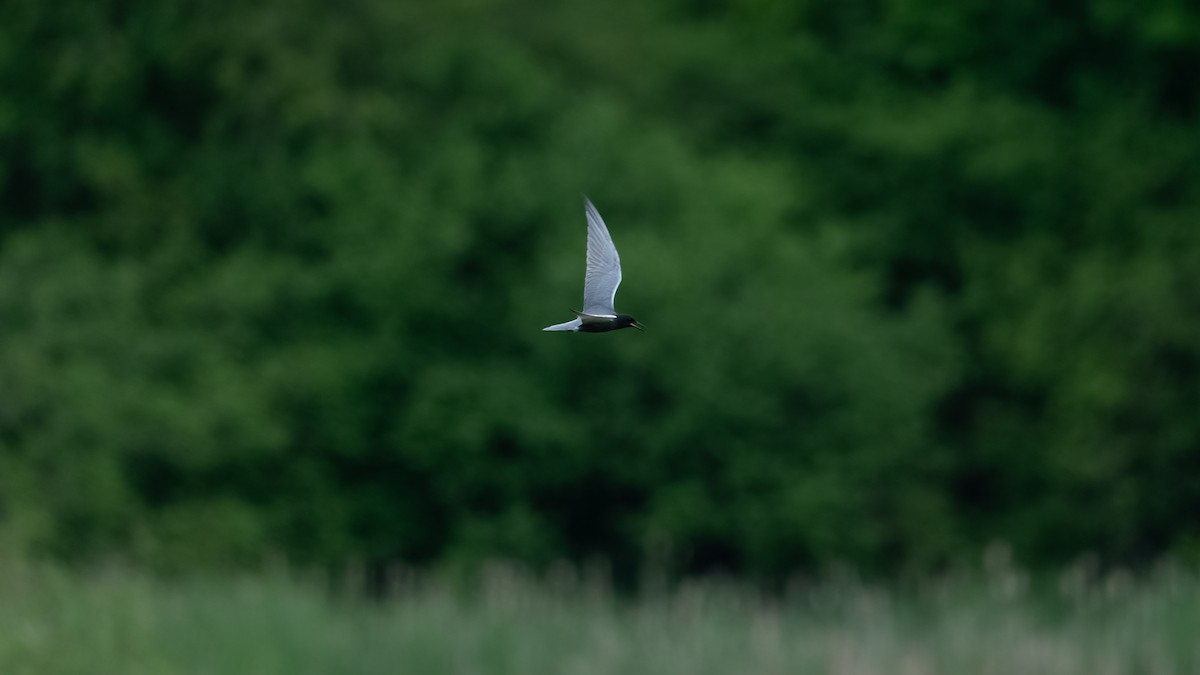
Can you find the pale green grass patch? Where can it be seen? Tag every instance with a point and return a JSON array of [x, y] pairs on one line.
[[121, 621]]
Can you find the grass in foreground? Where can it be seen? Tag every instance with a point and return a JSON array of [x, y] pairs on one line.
[[129, 623]]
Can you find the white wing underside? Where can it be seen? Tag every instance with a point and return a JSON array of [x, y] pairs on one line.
[[603, 268], [573, 324]]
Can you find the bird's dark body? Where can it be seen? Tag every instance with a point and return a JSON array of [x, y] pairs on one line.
[[620, 321]]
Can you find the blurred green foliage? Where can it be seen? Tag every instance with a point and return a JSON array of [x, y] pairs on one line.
[[917, 277]]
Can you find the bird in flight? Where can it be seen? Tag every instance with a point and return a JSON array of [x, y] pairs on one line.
[[599, 282]]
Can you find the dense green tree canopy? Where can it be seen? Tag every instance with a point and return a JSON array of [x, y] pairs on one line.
[[918, 277]]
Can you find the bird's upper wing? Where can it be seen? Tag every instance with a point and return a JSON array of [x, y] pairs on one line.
[[603, 266]]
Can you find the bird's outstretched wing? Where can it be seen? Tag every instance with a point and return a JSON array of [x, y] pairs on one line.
[[573, 324], [603, 266]]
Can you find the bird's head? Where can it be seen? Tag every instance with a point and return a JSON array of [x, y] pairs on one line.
[[626, 321]]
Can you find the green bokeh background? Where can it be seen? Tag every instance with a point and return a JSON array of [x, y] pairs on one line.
[[918, 277]]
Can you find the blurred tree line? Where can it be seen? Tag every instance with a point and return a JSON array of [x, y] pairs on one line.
[[917, 277]]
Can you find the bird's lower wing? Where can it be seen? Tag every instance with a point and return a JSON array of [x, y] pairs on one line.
[[573, 324]]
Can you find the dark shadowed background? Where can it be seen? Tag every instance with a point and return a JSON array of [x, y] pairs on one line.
[[918, 277]]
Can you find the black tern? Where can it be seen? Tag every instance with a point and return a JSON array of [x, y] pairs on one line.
[[599, 282]]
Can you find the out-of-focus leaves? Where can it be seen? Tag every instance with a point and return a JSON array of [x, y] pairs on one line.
[[916, 277]]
